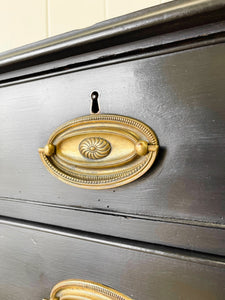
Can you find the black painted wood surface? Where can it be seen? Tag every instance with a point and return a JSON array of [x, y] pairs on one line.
[[181, 96], [164, 66], [36, 258]]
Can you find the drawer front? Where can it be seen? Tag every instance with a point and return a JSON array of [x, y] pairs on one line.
[[34, 259], [179, 95]]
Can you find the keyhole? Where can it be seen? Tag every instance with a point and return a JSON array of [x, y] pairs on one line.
[[94, 105]]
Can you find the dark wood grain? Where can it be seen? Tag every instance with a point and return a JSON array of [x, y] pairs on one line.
[[34, 259]]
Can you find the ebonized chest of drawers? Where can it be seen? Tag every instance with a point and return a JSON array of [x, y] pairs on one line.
[[158, 237]]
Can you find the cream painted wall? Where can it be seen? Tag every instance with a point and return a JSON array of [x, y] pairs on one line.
[[26, 21]]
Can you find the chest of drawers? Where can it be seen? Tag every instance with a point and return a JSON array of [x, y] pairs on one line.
[[158, 237]]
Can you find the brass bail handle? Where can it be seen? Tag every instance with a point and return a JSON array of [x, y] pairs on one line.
[[141, 148]]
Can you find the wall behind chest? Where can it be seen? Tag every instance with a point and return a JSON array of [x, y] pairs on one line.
[[25, 21]]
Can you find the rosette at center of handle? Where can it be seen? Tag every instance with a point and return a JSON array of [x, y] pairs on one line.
[[94, 148]]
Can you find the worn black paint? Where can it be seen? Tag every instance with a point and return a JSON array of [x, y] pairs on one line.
[[142, 271], [167, 71]]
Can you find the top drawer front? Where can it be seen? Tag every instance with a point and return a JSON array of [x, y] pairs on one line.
[[180, 95]]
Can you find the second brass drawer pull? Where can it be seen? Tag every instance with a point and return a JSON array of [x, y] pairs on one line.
[[83, 289]]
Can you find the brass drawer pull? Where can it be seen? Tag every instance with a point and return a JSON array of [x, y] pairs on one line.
[[83, 289], [100, 151]]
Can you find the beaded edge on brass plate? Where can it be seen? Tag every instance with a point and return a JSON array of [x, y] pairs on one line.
[[98, 149]]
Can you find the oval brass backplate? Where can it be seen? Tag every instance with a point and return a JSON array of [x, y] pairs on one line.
[[100, 151], [83, 289]]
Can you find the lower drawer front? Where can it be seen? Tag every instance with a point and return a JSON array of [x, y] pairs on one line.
[[33, 259]]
